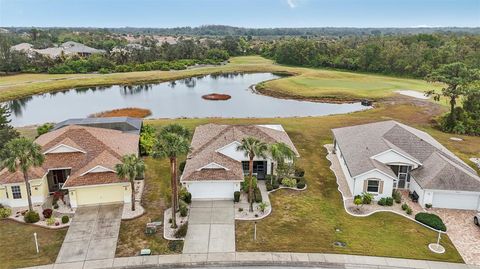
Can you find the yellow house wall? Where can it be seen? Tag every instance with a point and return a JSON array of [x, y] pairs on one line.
[[39, 191], [99, 195]]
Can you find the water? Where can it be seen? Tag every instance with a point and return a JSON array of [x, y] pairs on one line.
[[181, 98]]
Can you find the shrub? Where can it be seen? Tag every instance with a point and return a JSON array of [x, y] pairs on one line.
[[5, 212], [45, 128], [389, 201], [236, 196], [240, 209], [358, 201], [404, 206], [299, 172], [301, 185], [246, 183], [431, 220], [367, 198], [175, 246], [183, 206], [257, 195], [182, 230], [104, 71], [31, 217], [382, 201], [55, 206], [262, 206], [409, 211], [268, 186], [397, 196], [58, 195], [181, 166], [428, 205], [289, 182], [65, 219], [275, 185], [50, 221], [47, 213], [185, 196], [268, 178]]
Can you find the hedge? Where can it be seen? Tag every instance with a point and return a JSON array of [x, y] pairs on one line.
[[431, 220]]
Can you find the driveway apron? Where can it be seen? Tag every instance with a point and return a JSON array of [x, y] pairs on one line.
[[92, 235], [211, 227]]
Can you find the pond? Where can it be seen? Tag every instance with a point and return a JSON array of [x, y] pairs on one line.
[[175, 99]]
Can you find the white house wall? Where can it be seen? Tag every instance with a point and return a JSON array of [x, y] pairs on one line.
[[374, 175], [343, 165]]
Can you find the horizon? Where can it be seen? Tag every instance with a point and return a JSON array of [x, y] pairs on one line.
[[242, 14]]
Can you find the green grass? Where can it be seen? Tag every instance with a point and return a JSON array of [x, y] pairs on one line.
[[155, 200], [18, 244], [309, 83], [306, 221]]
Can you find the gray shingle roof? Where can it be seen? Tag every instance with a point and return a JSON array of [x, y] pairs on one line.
[[124, 124], [440, 169]]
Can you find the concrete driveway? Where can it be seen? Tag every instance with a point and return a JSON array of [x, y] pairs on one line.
[[211, 227], [463, 233], [92, 235]]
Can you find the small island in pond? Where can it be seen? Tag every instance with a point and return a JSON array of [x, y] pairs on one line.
[[216, 97], [124, 112]]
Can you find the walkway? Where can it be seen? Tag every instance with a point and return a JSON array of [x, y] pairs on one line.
[[92, 235], [256, 259], [211, 227]]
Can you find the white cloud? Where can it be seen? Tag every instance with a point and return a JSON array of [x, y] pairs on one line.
[[292, 3]]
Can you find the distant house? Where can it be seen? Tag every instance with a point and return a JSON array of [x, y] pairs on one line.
[[71, 47], [380, 157], [124, 124], [80, 161], [215, 168], [25, 47], [68, 49]]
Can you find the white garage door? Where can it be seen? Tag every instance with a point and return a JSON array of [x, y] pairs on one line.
[[455, 200], [212, 190]]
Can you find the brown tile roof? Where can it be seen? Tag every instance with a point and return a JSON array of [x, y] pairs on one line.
[[208, 138], [104, 147], [6, 177]]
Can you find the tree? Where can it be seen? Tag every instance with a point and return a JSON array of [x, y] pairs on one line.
[[7, 132], [252, 148], [131, 168], [147, 139], [44, 128], [172, 142], [457, 76], [20, 155], [280, 153]]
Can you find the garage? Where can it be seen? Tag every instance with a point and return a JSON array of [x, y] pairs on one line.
[[467, 201], [213, 190], [99, 195]]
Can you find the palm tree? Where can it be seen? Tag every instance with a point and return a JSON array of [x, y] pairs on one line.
[[252, 148], [172, 142], [280, 153], [131, 168], [20, 155]]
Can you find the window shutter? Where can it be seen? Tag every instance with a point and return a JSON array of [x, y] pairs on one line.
[[380, 187], [365, 185]]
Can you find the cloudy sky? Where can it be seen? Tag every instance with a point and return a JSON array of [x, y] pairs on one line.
[[245, 13]]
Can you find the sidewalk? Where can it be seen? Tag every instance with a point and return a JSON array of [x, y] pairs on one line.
[[257, 259]]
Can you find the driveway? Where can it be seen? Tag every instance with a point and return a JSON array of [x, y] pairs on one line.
[[463, 233], [92, 235], [211, 227]]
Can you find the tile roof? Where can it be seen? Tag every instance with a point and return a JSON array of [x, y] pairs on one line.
[[440, 169], [208, 138], [102, 147]]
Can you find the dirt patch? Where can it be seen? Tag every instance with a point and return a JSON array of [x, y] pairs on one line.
[[124, 112], [216, 97]]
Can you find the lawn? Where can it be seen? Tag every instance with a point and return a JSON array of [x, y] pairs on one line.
[[155, 200], [317, 84], [18, 244], [306, 221]]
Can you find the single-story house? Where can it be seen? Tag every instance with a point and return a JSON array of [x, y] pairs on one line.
[[79, 160], [383, 156], [124, 124], [215, 168], [68, 48]]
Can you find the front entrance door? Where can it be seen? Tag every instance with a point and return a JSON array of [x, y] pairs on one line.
[[56, 179], [403, 175]]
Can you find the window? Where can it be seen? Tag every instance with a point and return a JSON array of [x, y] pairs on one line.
[[373, 185], [16, 192]]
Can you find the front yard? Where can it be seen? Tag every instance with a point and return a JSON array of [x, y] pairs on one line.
[[18, 245], [313, 220]]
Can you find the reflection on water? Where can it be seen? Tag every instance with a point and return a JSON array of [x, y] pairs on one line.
[[180, 98]]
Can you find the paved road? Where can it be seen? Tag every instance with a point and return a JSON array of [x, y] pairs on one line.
[[211, 227], [92, 235]]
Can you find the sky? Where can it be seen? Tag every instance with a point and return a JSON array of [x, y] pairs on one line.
[[242, 13]]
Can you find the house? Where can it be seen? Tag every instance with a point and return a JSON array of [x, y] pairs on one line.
[[124, 124], [68, 48], [215, 168], [383, 156], [71, 47], [80, 161]]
